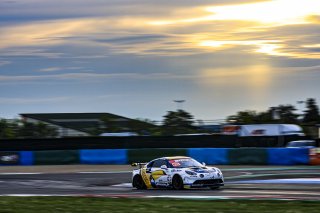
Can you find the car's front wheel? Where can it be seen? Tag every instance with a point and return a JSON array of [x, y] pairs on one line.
[[177, 182], [138, 182]]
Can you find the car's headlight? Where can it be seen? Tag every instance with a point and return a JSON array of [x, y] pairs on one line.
[[190, 172]]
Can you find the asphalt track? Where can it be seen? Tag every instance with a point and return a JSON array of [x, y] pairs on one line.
[[241, 182]]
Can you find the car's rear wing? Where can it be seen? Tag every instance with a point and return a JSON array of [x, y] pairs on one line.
[[138, 164]]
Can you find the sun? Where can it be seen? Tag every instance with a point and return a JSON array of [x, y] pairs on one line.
[[276, 12], [270, 12]]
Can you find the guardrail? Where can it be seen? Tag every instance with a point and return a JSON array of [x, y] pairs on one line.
[[212, 156]]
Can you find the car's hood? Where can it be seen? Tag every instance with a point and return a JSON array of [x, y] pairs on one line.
[[202, 169]]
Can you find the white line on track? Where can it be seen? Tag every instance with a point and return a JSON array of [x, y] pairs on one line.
[[271, 192], [118, 172], [39, 173], [124, 185], [21, 173], [36, 195], [282, 181], [248, 197]]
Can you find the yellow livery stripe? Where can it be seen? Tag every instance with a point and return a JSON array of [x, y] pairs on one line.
[[146, 178]]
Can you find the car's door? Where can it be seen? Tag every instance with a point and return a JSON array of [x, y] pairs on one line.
[[159, 171]]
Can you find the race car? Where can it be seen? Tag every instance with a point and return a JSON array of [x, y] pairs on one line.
[[178, 172]]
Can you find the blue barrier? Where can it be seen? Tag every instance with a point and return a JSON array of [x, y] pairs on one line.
[[26, 158], [103, 156], [209, 155], [212, 156], [288, 156]]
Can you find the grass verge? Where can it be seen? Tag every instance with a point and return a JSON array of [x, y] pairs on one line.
[[150, 205]]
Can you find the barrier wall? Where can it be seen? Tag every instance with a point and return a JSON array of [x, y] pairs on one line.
[[56, 157], [145, 155], [103, 156], [26, 158], [283, 156], [211, 156], [247, 156]]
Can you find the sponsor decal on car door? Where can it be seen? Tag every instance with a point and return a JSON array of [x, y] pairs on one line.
[[158, 177]]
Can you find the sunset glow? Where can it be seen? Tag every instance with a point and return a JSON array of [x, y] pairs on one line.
[[269, 13], [279, 12]]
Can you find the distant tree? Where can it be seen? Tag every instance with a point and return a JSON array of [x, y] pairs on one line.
[[178, 122], [312, 112], [267, 117], [311, 115], [279, 114], [45, 131], [36, 130], [310, 118], [287, 114], [243, 117], [7, 129], [143, 126]]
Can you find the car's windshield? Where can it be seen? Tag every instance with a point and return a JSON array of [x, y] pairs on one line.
[[184, 162]]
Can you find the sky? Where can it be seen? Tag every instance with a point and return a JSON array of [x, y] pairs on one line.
[[135, 57]]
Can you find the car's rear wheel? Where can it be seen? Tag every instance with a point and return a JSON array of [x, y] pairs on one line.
[[177, 182], [138, 182]]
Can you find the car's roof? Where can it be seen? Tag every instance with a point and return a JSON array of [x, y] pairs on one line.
[[175, 157]]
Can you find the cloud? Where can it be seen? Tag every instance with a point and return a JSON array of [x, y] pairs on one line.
[[41, 33], [2, 63], [133, 39], [14, 52], [185, 31], [33, 100], [218, 75], [91, 76], [314, 19], [55, 69], [51, 10], [51, 69]]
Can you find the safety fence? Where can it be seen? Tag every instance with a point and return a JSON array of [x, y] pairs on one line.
[[211, 156]]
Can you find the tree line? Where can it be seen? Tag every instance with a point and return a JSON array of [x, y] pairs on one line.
[[182, 122], [175, 122], [20, 129], [280, 114]]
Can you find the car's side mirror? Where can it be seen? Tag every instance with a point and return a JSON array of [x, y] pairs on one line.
[[203, 163], [163, 167]]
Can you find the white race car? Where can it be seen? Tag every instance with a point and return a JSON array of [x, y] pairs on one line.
[[177, 173]]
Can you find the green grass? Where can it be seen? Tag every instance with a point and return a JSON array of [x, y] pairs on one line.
[[92, 205]]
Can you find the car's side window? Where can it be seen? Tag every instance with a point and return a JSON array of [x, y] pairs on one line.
[[159, 163]]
